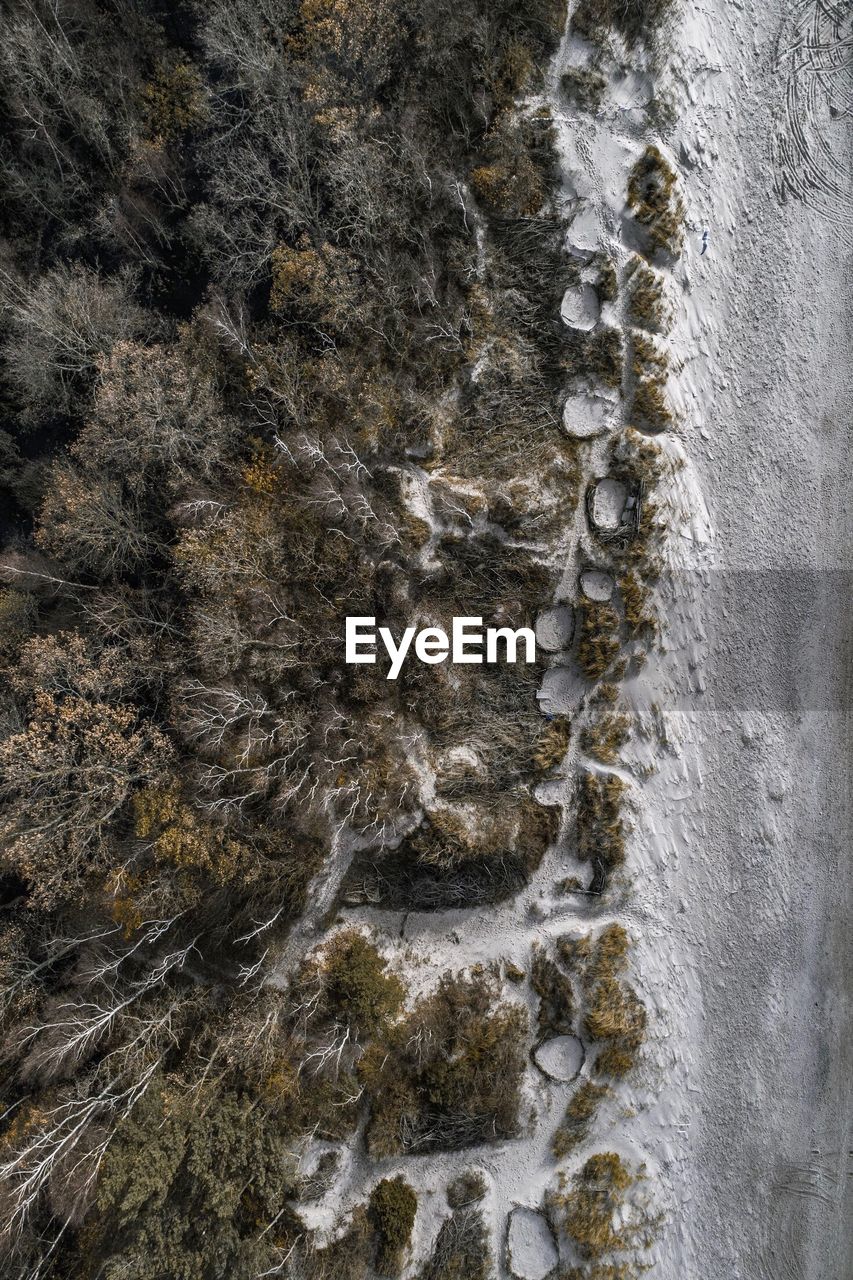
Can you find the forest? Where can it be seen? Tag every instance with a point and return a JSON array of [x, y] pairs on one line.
[[280, 284]]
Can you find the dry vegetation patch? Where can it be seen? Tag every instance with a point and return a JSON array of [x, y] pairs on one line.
[[447, 1076]]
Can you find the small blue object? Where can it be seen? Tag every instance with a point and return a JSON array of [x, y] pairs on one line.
[[704, 242]]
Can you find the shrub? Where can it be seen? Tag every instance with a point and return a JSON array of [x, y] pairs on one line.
[[600, 828], [656, 204], [614, 1016], [615, 1013], [316, 285], [649, 407], [466, 1189], [599, 641], [598, 354], [636, 20], [448, 1075], [180, 837], [173, 1157], [356, 988], [553, 744], [601, 1210], [174, 100], [556, 998], [18, 612], [636, 602], [70, 772], [607, 285], [512, 181], [605, 737], [393, 1205], [649, 360], [575, 1125], [584, 87], [461, 1250], [647, 307]]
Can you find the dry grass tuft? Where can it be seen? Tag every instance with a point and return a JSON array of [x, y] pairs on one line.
[[655, 201], [603, 1210], [600, 828], [575, 1125], [599, 644], [604, 739]]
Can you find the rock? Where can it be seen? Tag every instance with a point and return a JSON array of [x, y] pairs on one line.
[[596, 585], [559, 1058], [530, 1246], [580, 308], [587, 414], [554, 628], [608, 503]]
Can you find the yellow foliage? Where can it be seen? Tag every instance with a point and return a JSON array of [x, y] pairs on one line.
[[180, 838], [595, 1209], [262, 475], [320, 283], [174, 100], [553, 744]]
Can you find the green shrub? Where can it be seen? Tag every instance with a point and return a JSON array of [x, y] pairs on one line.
[[448, 1076], [393, 1205], [189, 1186], [356, 988]]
